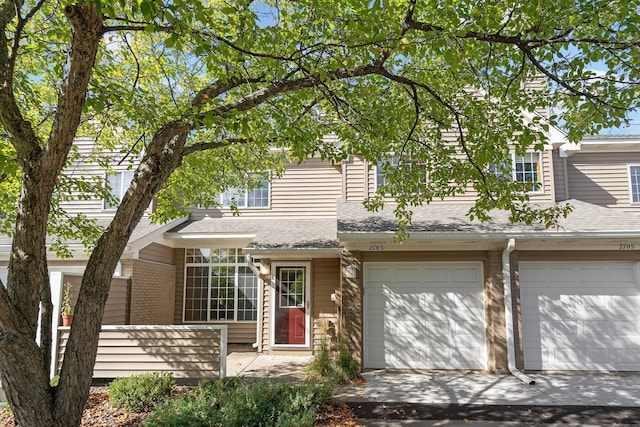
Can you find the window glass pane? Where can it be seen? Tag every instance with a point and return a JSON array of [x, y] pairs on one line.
[[198, 256], [223, 288], [234, 196], [381, 179], [259, 197], [635, 184], [247, 294], [291, 286], [417, 171], [223, 256], [527, 170], [118, 184], [222, 293], [196, 294]]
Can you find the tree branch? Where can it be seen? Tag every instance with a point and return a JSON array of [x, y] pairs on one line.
[[203, 146], [278, 88]]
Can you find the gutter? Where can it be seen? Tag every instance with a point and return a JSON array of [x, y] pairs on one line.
[[508, 313]]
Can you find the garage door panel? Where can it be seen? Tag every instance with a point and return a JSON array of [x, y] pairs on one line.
[[432, 316], [469, 331], [597, 330], [466, 276], [585, 316], [625, 305]]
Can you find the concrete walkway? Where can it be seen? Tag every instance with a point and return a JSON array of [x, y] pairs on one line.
[[254, 365], [479, 389]]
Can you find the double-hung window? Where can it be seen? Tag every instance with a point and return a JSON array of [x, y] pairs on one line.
[[219, 286], [634, 182], [257, 197], [118, 184], [526, 169], [405, 163]]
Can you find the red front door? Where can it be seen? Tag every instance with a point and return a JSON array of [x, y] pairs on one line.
[[290, 307]]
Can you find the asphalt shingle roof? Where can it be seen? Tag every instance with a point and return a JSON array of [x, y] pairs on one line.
[[279, 233], [452, 218]]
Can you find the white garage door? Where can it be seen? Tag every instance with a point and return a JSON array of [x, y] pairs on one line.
[[580, 316], [424, 316]]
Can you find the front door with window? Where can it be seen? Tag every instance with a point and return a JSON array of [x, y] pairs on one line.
[[290, 305]]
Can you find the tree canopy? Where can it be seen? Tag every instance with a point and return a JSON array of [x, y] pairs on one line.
[[200, 92]]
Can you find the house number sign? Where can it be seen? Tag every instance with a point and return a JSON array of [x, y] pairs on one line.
[[376, 247], [626, 246]]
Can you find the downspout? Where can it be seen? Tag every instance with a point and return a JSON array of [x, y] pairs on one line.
[[258, 273], [508, 314]]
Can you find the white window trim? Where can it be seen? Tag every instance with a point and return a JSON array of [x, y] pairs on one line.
[[272, 299], [246, 198], [123, 189], [378, 168], [540, 162], [235, 293], [631, 202]]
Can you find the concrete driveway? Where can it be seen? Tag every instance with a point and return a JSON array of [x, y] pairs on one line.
[[480, 389], [427, 399]]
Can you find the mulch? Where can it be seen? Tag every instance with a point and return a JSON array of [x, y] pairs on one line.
[[99, 413]]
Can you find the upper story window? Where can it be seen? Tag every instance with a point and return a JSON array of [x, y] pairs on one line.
[[243, 198], [219, 286], [634, 181], [406, 163], [118, 184], [526, 169]]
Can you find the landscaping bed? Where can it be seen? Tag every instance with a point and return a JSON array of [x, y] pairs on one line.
[[100, 413]]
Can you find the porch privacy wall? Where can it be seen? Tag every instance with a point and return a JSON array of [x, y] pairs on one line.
[[196, 351]]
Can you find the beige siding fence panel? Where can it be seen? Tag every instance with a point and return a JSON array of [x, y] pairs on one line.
[[196, 351]]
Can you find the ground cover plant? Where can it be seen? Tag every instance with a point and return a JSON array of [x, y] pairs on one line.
[[143, 401], [141, 391], [244, 402]]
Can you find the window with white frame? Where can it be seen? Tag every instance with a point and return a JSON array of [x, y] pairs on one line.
[[118, 184], [634, 182], [257, 197], [398, 162], [526, 169], [219, 286]]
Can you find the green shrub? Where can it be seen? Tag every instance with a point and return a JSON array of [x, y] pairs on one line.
[[243, 402], [139, 392], [340, 369], [346, 368], [321, 364]]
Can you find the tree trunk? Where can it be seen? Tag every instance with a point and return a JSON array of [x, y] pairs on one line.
[[24, 364], [163, 156]]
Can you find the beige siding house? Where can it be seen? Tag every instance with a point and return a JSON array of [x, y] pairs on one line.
[[306, 263]]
